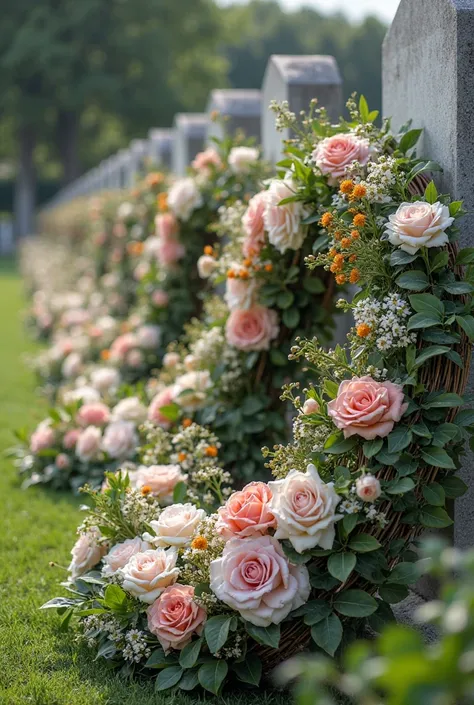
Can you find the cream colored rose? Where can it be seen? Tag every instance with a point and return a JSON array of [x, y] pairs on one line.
[[184, 197], [254, 577], [189, 390], [240, 293], [86, 553], [419, 224], [368, 488], [305, 509], [160, 479], [121, 553], [206, 265], [241, 159], [129, 409], [148, 573], [120, 439], [105, 379], [176, 525], [283, 223]]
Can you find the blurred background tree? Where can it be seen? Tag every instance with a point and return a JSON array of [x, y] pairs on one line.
[[79, 79]]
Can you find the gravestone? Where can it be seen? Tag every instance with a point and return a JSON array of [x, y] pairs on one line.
[[161, 147], [428, 76], [242, 109], [190, 136], [298, 79]]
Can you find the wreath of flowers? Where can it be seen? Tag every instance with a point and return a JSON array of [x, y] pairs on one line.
[[202, 597]]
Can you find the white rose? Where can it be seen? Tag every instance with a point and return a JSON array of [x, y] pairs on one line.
[[206, 265], [86, 553], [86, 394], [419, 224], [124, 210], [120, 439], [170, 359], [149, 337], [105, 379], [88, 443], [121, 553], [189, 389], [148, 573], [72, 366], [283, 223], [242, 158], [310, 406], [305, 509], [176, 525], [129, 409], [184, 197]]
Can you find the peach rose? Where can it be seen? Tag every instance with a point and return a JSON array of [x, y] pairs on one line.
[[283, 223], [254, 577], [334, 154], [148, 573], [167, 227], [62, 461], [246, 513], [161, 479], [120, 439], [205, 161], [163, 398], [70, 438], [240, 293], [121, 553], [160, 298], [305, 509], [122, 345], [86, 553], [419, 224], [175, 617], [368, 488], [42, 438], [367, 408], [169, 252], [88, 443], [254, 225], [105, 379], [252, 329], [176, 525], [94, 414], [148, 336]]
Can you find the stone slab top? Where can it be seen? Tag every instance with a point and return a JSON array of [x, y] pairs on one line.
[[241, 102], [306, 69]]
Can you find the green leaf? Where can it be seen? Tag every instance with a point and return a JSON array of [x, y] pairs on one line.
[[437, 457], [415, 280], [399, 439], [212, 674], [313, 611], [435, 517], [363, 543], [467, 324], [168, 677], [465, 418], [434, 494], [190, 654], [313, 285], [444, 433], [455, 207], [278, 358], [355, 603], [251, 405], [158, 659], [428, 353], [170, 411], [401, 486], [421, 429], [443, 401], [341, 565], [268, 636], [342, 445], [179, 492], [453, 487], [466, 255], [291, 317], [404, 574], [327, 634], [349, 523], [189, 680], [363, 109], [216, 631], [393, 593], [458, 288], [285, 299], [431, 193], [250, 670], [115, 598], [400, 258], [422, 320], [371, 448], [409, 140], [427, 303]]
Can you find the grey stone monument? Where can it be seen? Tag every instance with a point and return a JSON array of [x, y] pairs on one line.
[[298, 79], [190, 136], [161, 147], [428, 75], [241, 108]]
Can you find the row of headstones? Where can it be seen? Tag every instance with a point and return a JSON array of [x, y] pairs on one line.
[[296, 79]]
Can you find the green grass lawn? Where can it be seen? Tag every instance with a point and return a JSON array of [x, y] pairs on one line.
[[39, 665]]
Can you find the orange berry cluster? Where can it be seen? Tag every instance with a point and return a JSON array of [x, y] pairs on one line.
[[342, 260], [135, 249], [162, 201], [353, 191]]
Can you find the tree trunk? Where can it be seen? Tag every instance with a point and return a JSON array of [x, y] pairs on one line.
[[67, 135], [25, 186]]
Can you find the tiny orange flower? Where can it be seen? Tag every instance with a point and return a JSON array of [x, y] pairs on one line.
[[335, 268], [243, 274], [231, 274], [187, 423], [359, 220], [211, 451], [105, 355], [359, 191], [247, 262], [346, 186], [200, 543], [346, 242], [146, 489], [257, 267], [339, 259], [355, 234], [332, 252], [355, 276], [208, 250], [269, 267], [352, 258], [338, 235], [162, 200], [326, 219], [182, 457], [363, 330], [341, 279]]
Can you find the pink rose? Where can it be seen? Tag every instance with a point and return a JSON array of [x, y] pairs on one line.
[[254, 577], [149, 336], [160, 298], [419, 224], [120, 439], [167, 227], [163, 398], [122, 345], [283, 222], [205, 161], [368, 488], [170, 251], [334, 154], [42, 438], [246, 513], [62, 461], [240, 293], [254, 226], [86, 553], [175, 617], [252, 329], [134, 358], [161, 479], [310, 406], [121, 553], [94, 414], [367, 408], [88, 443], [70, 438]]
